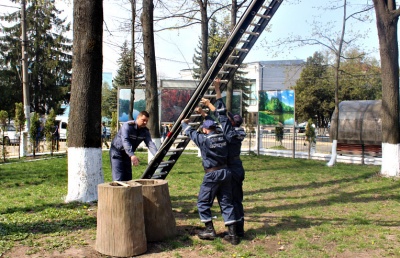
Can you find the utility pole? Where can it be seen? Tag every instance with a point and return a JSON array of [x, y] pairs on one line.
[[25, 85]]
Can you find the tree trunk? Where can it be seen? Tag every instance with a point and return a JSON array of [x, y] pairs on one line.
[[133, 57], [159, 219], [229, 87], [120, 222], [150, 68], [337, 69], [204, 37], [386, 21], [84, 128]]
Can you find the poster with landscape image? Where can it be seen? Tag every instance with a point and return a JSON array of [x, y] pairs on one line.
[[124, 98], [276, 107]]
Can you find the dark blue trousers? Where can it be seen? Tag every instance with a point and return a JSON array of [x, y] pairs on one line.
[[121, 165], [237, 171], [216, 184]]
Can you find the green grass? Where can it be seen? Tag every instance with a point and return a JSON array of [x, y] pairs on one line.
[[293, 208]]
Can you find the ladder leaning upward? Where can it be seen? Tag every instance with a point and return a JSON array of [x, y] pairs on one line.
[[243, 37]]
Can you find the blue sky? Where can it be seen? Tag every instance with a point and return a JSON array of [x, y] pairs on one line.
[[107, 77]]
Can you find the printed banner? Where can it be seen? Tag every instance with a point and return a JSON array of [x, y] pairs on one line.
[[276, 107], [124, 98]]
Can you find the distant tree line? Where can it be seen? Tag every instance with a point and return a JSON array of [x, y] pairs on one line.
[[360, 80], [49, 58]]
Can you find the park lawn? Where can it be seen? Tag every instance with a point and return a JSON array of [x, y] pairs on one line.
[[294, 208]]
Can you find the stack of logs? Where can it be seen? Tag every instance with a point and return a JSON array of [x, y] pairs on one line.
[[130, 214]]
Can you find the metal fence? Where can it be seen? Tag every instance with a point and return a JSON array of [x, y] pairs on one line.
[[43, 147], [268, 141]]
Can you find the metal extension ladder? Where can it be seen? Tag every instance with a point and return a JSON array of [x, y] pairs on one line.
[[243, 37]]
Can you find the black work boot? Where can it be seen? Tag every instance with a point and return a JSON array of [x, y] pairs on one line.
[[208, 233], [232, 237], [240, 228]]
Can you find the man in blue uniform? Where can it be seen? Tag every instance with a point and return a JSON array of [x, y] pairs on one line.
[[216, 180], [124, 144], [104, 134], [234, 135]]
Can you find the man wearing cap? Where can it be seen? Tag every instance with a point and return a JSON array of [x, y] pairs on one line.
[[216, 180], [124, 144], [234, 135]]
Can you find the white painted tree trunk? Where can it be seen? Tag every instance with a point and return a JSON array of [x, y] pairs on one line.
[[333, 155], [85, 172], [390, 160]]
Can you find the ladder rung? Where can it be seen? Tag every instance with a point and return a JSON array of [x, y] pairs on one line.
[[195, 115], [163, 165], [255, 24], [235, 57], [266, 7], [194, 123], [168, 162], [159, 175], [209, 96], [179, 141], [242, 49], [170, 154], [182, 137], [223, 72], [230, 65], [175, 150], [252, 33], [264, 16]]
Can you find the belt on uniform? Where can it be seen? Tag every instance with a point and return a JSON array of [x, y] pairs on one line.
[[212, 169]]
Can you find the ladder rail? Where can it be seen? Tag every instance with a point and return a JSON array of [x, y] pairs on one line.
[[224, 57]]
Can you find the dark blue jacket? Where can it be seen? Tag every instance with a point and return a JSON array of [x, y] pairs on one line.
[[213, 146], [130, 136], [234, 135]]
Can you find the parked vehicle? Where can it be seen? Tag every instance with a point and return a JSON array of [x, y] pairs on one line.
[[300, 129], [62, 128], [62, 122], [11, 135]]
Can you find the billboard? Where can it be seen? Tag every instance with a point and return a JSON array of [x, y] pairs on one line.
[[276, 106], [123, 103], [173, 101]]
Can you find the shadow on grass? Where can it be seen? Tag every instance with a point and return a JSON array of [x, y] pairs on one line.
[[311, 185], [15, 229], [39, 208], [275, 224], [181, 240], [342, 197]]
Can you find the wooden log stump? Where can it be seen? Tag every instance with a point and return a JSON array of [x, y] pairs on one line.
[[120, 221], [159, 220]]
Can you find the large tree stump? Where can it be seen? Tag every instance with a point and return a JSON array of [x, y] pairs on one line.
[[159, 219], [120, 222]]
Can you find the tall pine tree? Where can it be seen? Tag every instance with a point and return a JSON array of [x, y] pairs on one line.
[[49, 56], [124, 74]]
